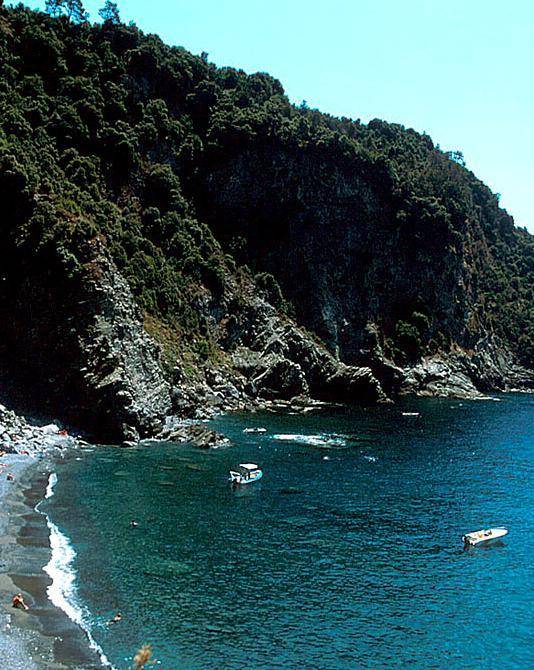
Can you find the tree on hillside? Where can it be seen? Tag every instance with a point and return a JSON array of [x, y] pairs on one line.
[[456, 156], [54, 7], [110, 13], [76, 11], [73, 9]]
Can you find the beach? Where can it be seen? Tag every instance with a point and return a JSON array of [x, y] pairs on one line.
[[43, 637], [19, 642]]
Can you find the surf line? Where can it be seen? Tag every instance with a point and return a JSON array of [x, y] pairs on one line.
[[62, 591]]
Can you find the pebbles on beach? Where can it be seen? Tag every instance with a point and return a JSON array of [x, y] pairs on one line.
[[21, 443], [17, 435]]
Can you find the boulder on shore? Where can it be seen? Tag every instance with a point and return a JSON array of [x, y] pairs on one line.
[[197, 435]]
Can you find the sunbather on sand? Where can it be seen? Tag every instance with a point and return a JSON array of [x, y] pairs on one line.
[[18, 602]]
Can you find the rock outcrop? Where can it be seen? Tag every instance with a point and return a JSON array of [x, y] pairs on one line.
[[122, 369], [18, 435], [277, 255], [467, 374], [77, 340], [196, 435], [281, 360]]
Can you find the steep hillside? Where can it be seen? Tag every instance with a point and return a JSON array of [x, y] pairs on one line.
[[168, 228], [379, 229]]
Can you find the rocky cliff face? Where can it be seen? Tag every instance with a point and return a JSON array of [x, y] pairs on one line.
[[467, 374], [281, 360], [272, 252], [268, 358], [77, 341], [329, 235], [122, 369]]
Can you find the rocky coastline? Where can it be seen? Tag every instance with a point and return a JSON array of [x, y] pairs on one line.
[[210, 247], [279, 372], [194, 244], [123, 390]]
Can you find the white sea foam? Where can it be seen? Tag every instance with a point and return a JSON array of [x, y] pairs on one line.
[[61, 570], [52, 481], [321, 440]]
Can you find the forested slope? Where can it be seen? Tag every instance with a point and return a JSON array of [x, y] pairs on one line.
[[206, 190]]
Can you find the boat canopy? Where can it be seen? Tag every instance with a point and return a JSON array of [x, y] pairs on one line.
[[248, 466]]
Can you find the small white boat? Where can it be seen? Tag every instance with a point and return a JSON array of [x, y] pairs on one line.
[[410, 414], [246, 473], [254, 430], [483, 537]]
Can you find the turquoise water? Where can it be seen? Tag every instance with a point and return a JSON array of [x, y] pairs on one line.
[[347, 555]]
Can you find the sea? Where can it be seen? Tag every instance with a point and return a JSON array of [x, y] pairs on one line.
[[348, 554]]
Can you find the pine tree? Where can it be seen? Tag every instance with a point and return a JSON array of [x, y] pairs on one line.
[[54, 7], [73, 9], [76, 11], [110, 13]]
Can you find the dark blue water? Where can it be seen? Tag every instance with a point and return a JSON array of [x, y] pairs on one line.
[[347, 555]]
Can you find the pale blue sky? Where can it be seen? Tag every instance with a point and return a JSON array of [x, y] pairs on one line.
[[462, 71]]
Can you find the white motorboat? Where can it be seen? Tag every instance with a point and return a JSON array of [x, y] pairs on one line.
[[245, 473], [254, 430], [483, 537]]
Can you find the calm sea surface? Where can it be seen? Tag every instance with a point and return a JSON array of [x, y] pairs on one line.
[[347, 555]]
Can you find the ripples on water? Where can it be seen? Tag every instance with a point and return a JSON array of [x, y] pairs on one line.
[[346, 555]]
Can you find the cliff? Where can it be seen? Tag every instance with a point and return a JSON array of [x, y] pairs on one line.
[[177, 237]]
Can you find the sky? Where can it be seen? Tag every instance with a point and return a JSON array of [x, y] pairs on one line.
[[462, 72]]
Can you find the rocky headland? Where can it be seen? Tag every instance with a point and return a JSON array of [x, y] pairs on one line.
[[179, 239]]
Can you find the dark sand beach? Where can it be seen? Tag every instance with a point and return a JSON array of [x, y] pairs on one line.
[[43, 637], [19, 640]]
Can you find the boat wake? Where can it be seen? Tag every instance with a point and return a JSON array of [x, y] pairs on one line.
[[60, 569]]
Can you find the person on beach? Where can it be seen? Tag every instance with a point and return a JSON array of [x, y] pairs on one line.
[[18, 602]]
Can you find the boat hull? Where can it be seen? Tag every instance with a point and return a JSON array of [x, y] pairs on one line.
[[239, 480], [484, 538]]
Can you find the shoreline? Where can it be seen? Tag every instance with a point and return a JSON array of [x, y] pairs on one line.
[[44, 637], [20, 639], [17, 638]]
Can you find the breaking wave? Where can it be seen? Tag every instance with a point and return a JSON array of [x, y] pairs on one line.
[[61, 570]]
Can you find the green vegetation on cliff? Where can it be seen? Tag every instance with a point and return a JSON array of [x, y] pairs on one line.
[[189, 174]]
